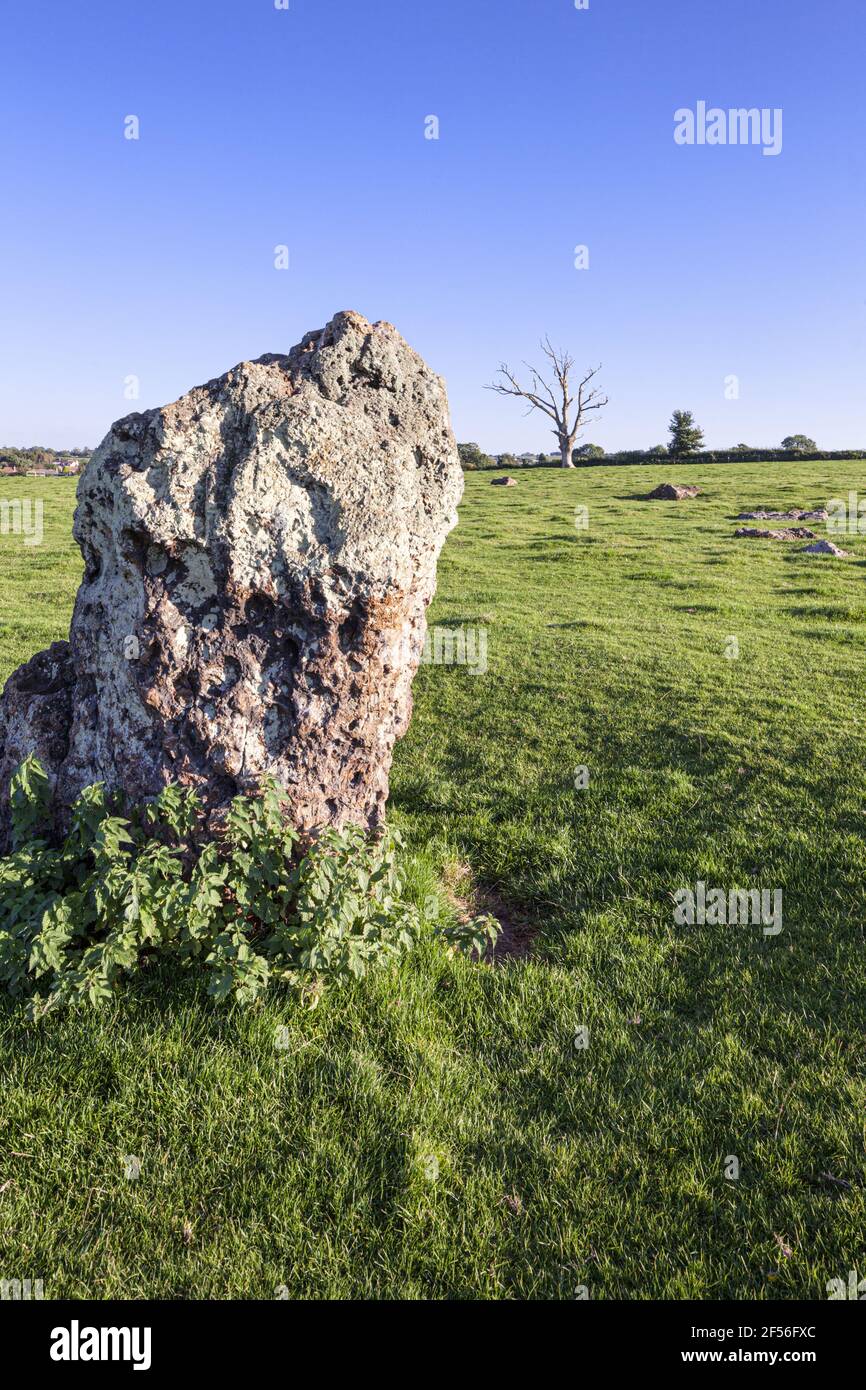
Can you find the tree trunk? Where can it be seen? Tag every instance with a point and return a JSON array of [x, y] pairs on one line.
[[565, 453]]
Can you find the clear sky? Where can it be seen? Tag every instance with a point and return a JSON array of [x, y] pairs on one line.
[[305, 127]]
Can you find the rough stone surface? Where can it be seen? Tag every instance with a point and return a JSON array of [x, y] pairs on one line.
[[36, 713], [823, 547], [258, 560], [784, 533], [818, 515], [672, 492], [503, 482]]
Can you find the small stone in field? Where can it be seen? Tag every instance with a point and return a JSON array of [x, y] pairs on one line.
[[786, 533], [672, 492], [503, 482], [818, 515], [823, 548]]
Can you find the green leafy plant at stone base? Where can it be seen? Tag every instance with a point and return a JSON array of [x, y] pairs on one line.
[[251, 907]]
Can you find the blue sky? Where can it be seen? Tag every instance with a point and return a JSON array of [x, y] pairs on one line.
[[305, 127]]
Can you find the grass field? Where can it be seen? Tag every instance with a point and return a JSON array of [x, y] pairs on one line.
[[436, 1132]]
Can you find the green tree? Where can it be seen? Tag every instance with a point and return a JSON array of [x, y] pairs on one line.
[[799, 444], [588, 451], [686, 436], [471, 456]]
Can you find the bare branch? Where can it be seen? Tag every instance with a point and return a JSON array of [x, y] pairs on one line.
[[541, 385], [515, 389]]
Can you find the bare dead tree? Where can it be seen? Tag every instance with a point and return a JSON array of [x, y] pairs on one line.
[[567, 411]]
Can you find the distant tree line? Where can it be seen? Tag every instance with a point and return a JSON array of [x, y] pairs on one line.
[[37, 456], [737, 455], [685, 446], [623, 456], [569, 403]]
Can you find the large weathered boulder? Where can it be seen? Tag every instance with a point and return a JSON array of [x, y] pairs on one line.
[[258, 560]]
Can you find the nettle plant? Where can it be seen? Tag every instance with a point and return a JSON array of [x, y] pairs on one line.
[[251, 907]]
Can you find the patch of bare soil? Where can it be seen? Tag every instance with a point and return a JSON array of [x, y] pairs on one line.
[[472, 899]]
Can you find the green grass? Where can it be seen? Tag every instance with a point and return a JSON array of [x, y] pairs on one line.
[[311, 1166]]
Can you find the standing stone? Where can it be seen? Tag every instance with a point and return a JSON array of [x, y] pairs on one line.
[[258, 560]]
